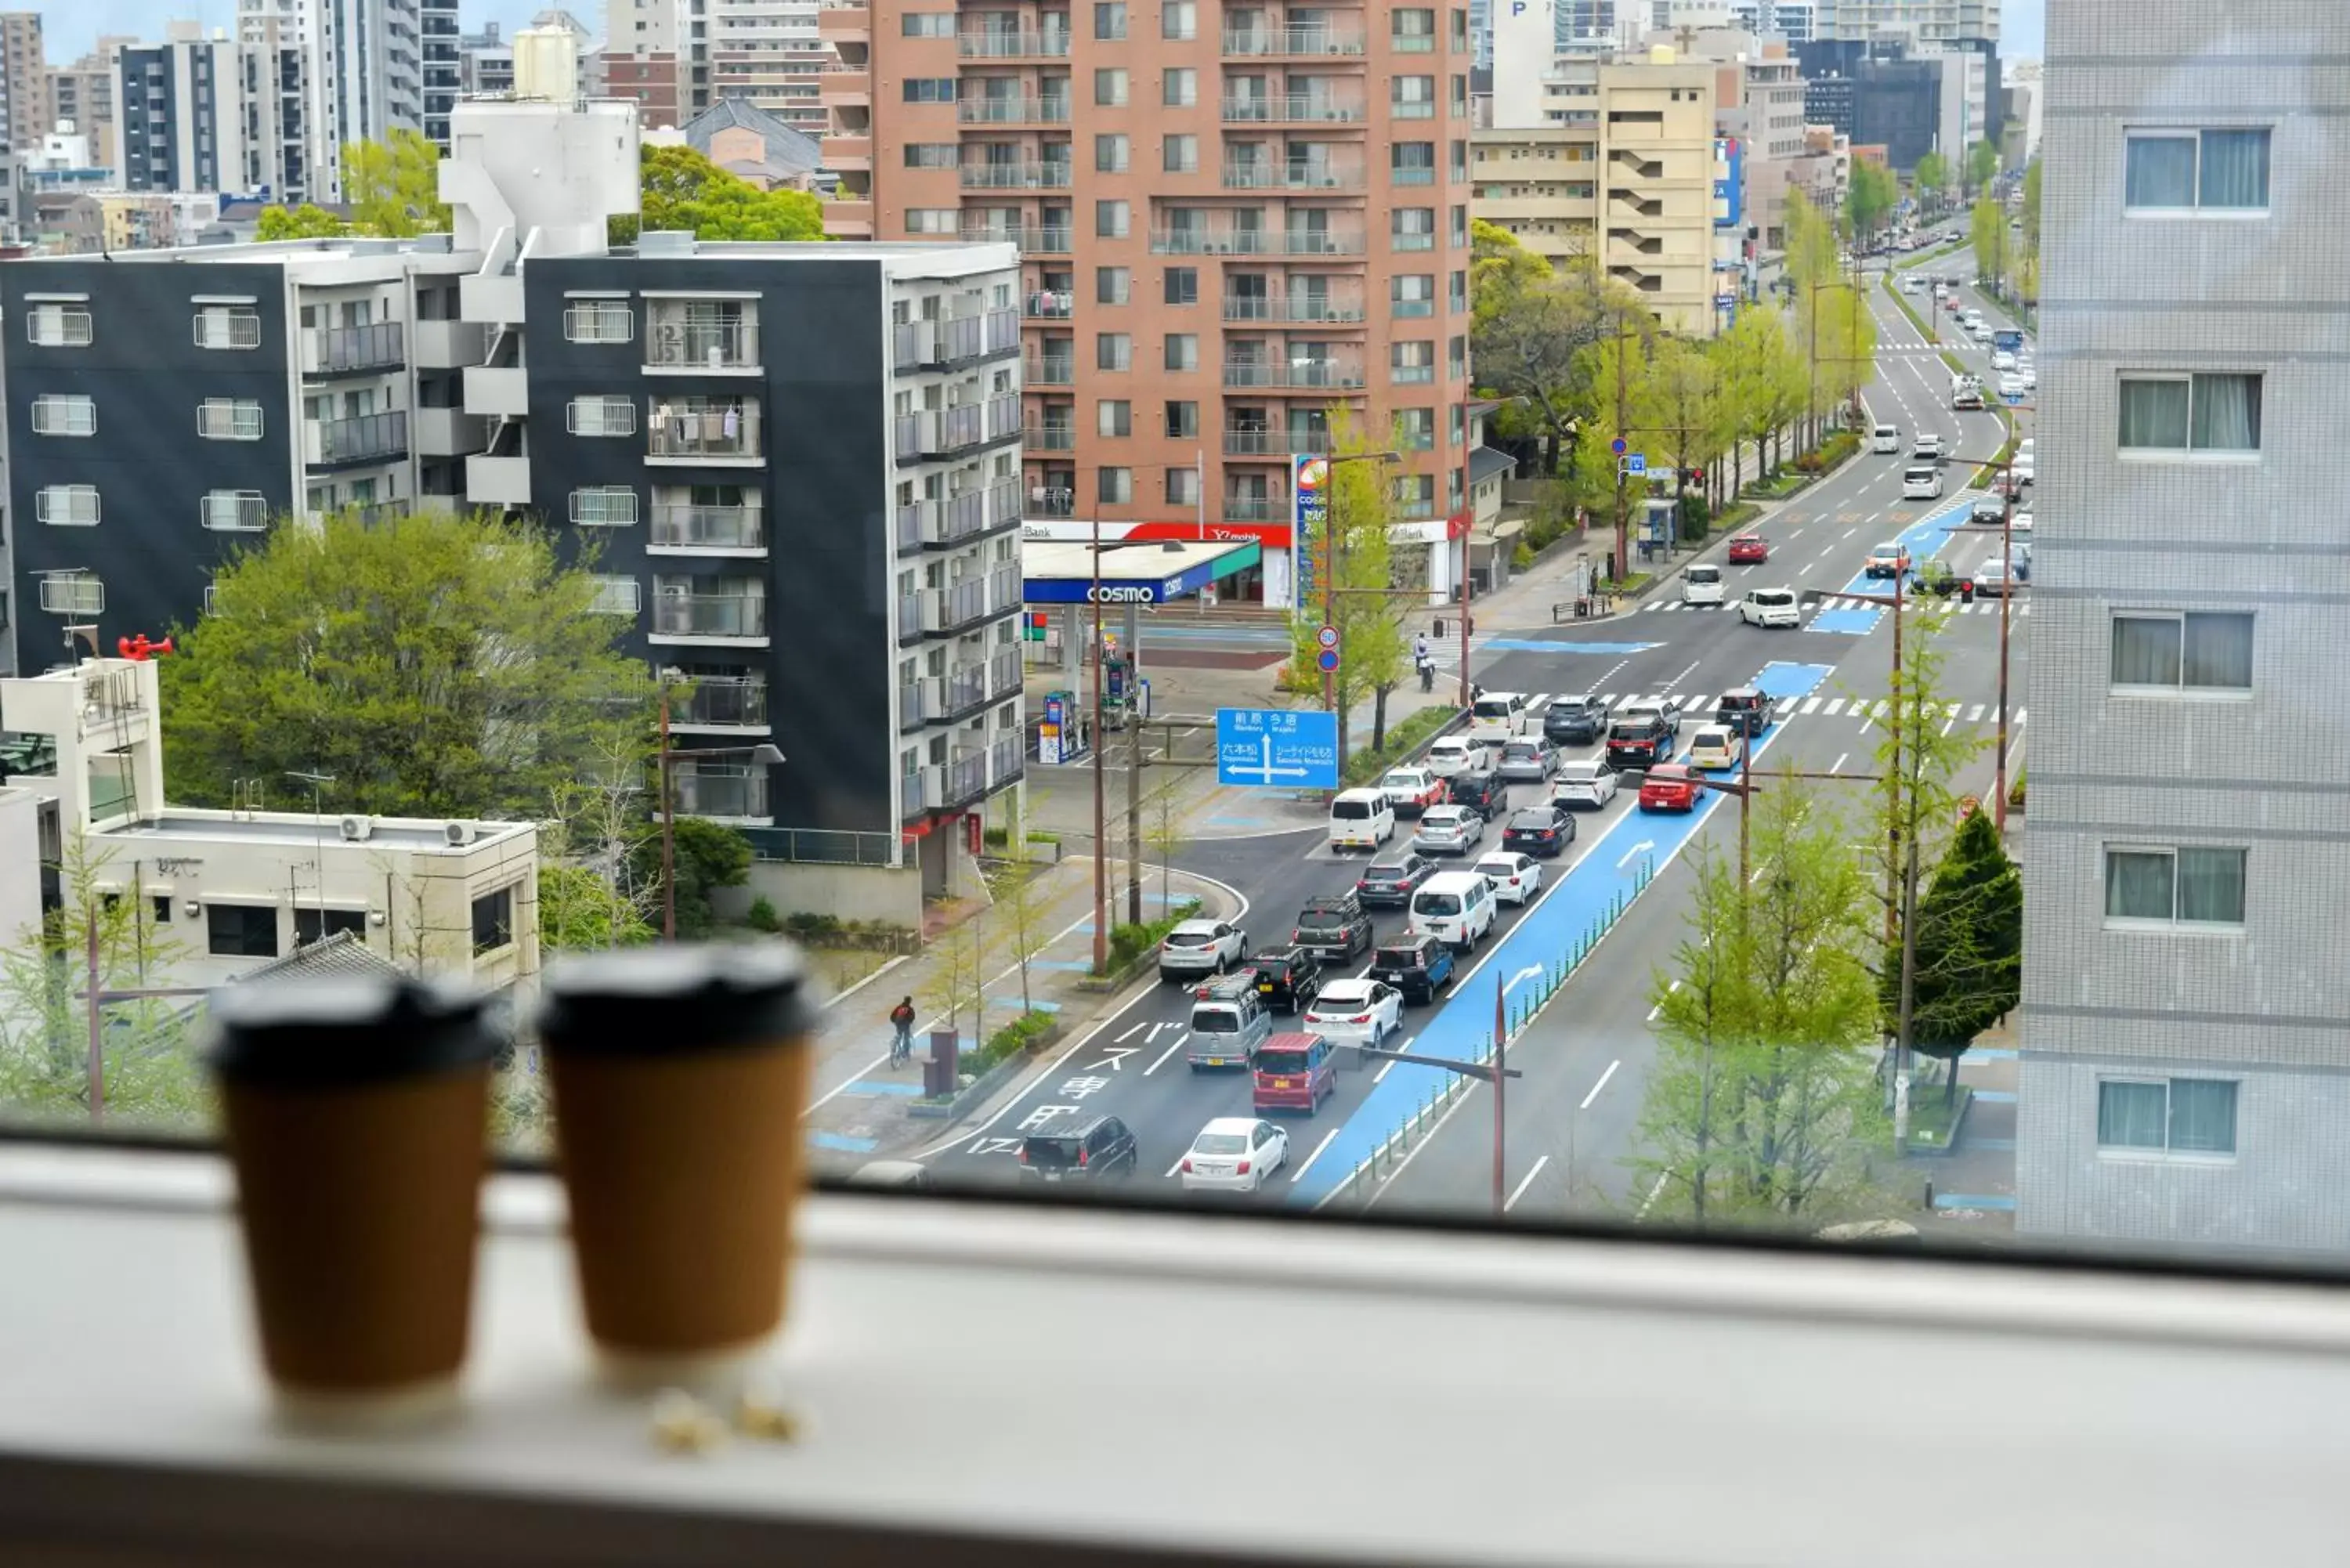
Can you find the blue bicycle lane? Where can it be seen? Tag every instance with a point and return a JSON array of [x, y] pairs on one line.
[[1924, 541], [1608, 870]]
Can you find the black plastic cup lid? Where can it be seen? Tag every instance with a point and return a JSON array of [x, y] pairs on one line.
[[319, 1033], [671, 1000]]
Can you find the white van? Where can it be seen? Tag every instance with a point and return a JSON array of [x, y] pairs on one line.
[[1701, 585], [1497, 717], [1361, 819], [1921, 482], [1885, 438], [1456, 908]]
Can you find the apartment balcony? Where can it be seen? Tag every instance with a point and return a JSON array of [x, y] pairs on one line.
[[1034, 242], [353, 350], [731, 620], [953, 608], [1254, 243], [1293, 110], [1538, 206], [447, 345], [730, 704], [498, 392], [1319, 312], [1015, 176], [1275, 446], [497, 481], [849, 220], [963, 693], [918, 701], [1052, 501], [684, 340], [1310, 374], [1005, 675], [1274, 43], [1012, 112], [843, 22], [1004, 590], [369, 438], [848, 153], [1049, 304], [724, 792], [1413, 175], [1049, 438], [844, 87], [1411, 109], [1288, 177], [448, 433], [1003, 417], [704, 434], [1053, 45], [683, 529], [931, 434], [1050, 371], [1256, 509]]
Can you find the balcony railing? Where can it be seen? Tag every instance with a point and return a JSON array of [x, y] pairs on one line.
[[1288, 177], [1306, 40], [724, 702], [1004, 589], [1296, 373], [1254, 243], [1004, 416], [1052, 176], [1045, 242], [917, 702], [364, 437], [1412, 176], [955, 606], [709, 527], [1005, 674], [1411, 109], [1006, 759], [719, 789], [1052, 501], [709, 615], [1049, 438], [1012, 112], [1292, 106], [1412, 239], [1256, 508], [1051, 370], [962, 779], [1246, 309], [332, 351], [1052, 43], [1275, 443], [1050, 304], [1003, 504], [966, 689], [704, 433], [675, 342]]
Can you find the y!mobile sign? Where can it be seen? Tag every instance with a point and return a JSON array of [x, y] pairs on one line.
[[1309, 502]]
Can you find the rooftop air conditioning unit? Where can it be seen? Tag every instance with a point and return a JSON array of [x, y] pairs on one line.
[[457, 833], [358, 829]]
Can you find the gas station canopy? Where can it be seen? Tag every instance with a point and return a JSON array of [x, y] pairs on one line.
[[1156, 572]]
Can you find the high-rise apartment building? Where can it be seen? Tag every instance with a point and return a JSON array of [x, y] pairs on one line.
[[24, 79], [367, 68], [83, 92], [1233, 218], [1920, 21], [768, 51], [2185, 1075], [657, 55]]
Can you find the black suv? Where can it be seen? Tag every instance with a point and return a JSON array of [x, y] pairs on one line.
[[1078, 1148], [1334, 926], [1486, 792], [1575, 720], [1542, 831], [1639, 743], [1745, 710], [1288, 979], [1416, 966], [1391, 883]]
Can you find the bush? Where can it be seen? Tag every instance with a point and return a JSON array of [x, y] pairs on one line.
[[996, 837], [2015, 792], [1008, 1040], [762, 917], [1696, 517], [1128, 941], [1404, 736], [1522, 556]]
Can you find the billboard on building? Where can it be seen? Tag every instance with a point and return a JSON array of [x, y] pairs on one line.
[[1728, 182]]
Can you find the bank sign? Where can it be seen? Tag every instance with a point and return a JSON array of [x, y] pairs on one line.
[[1309, 511]]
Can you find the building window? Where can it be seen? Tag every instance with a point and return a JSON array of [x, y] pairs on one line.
[[599, 321], [2170, 1115], [229, 419], [1114, 417], [59, 326], [1109, 22], [2156, 651], [1178, 19], [494, 926], [1182, 286], [234, 510], [930, 89], [1110, 155], [1183, 420], [927, 25], [1113, 351], [1110, 85], [1411, 364], [1182, 487], [1178, 87], [312, 924], [1416, 430], [605, 506], [618, 595], [1111, 285], [67, 505], [228, 327], [934, 154], [1182, 351], [1112, 220], [241, 930], [2216, 412], [1114, 486], [932, 219], [1412, 228], [1412, 294], [64, 414], [2174, 886], [603, 416], [2191, 171], [1179, 155]]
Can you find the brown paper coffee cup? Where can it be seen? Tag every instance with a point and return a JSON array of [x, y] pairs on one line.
[[679, 1076], [356, 1114]]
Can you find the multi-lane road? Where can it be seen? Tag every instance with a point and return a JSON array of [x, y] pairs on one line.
[[1572, 1119]]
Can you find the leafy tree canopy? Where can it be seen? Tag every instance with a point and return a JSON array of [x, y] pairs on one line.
[[303, 223], [393, 188], [684, 190], [1969, 960], [709, 856]]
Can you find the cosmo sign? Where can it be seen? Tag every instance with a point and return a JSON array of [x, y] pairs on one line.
[[1309, 501]]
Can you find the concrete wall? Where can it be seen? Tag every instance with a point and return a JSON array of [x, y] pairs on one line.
[[851, 892]]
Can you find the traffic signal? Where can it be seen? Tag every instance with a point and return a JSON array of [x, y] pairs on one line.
[[1697, 476]]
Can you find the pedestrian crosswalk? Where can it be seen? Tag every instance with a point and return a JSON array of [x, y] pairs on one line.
[[1837, 602], [1866, 712]]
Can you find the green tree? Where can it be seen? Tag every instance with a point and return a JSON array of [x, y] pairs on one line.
[[1682, 416], [394, 186], [1932, 179], [1968, 964], [303, 223], [682, 189], [1529, 328], [708, 855], [436, 665], [1982, 165], [1763, 382], [1987, 229], [581, 910], [1811, 254], [1870, 198], [1613, 374], [1361, 512], [2032, 206]]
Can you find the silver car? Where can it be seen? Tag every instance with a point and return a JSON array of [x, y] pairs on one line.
[[1447, 830], [1530, 758]]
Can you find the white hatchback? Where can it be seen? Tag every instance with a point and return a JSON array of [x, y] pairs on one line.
[[1770, 607], [1234, 1154], [1356, 1012], [1713, 746], [1516, 877], [1585, 782]]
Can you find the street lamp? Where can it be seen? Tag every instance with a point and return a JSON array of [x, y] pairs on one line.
[[317, 781], [764, 754]]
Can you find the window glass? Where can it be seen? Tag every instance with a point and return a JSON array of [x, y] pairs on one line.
[[2138, 885], [2132, 1116], [2235, 170]]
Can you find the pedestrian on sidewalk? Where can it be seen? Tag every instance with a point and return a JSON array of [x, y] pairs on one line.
[[901, 1019]]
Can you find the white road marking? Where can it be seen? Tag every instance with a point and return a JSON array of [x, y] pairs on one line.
[[1811, 705], [1511, 1201], [1177, 1168], [1660, 1006], [1132, 1033], [1173, 1046], [1651, 1198], [1837, 766], [1315, 1156], [1836, 705], [1850, 532], [1599, 1085]]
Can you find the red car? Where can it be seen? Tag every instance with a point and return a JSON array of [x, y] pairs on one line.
[[1670, 786], [1749, 548]]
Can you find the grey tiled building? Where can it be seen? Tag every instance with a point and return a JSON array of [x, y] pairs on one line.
[[2185, 1077]]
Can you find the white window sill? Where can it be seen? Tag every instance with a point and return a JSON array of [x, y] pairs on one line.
[[1036, 1386], [2171, 1157], [2126, 926], [2221, 694]]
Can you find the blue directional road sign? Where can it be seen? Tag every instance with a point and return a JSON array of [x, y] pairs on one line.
[[1284, 748], [1636, 463]]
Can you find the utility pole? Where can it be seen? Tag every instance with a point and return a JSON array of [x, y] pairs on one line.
[[1622, 418], [1101, 815]]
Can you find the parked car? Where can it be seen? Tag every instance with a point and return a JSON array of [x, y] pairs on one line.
[[1413, 789], [1195, 948], [1714, 746], [1333, 926], [1672, 787], [1417, 967], [1078, 1147], [1530, 758], [1234, 1154], [1288, 979], [1583, 782], [1543, 830], [1484, 792], [1358, 1011], [1575, 720], [1449, 830], [1517, 877], [1389, 884], [1890, 559], [1749, 550], [1449, 756]]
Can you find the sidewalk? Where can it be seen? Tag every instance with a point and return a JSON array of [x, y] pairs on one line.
[[1975, 1184]]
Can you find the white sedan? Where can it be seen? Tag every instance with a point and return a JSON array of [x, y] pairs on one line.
[[1583, 782], [1356, 1012], [2010, 385], [1516, 877], [1453, 755], [2002, 360], [1234, 1154]]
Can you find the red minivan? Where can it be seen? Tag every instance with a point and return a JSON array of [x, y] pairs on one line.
[[1294, 1072]]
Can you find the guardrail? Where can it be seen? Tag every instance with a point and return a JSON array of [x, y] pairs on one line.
[[1414, 1128]]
